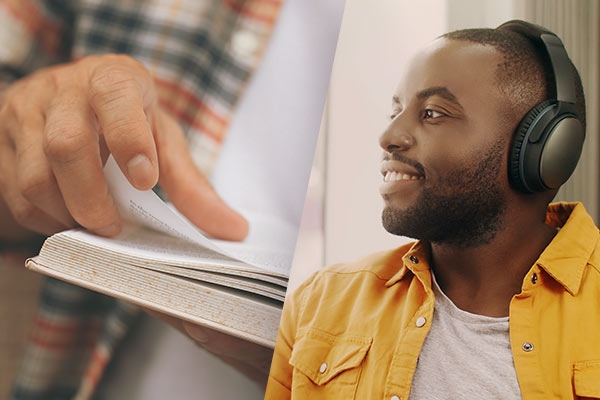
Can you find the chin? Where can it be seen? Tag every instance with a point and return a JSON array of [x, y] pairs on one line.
[[393, 221], [398, 204]]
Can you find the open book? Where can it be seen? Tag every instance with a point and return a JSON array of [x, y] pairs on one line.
[[161, 262]]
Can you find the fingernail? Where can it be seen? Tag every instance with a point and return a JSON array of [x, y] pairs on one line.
[[196, 332], [141, 172]]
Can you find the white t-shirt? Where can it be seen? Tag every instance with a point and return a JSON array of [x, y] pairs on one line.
[[465, 356]]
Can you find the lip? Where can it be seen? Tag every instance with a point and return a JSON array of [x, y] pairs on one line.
[[398, 176]]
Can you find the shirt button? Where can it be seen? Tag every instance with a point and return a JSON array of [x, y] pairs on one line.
[[534, 278], [413, 259], [527, 346], [420, 322], [323, 368], [394, 397]]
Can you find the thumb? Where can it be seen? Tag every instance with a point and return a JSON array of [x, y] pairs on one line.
[[188, 190]]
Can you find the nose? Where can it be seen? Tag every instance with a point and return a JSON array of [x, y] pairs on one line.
[[396, 137]]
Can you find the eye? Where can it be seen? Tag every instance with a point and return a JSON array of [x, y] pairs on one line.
[[428, 113]]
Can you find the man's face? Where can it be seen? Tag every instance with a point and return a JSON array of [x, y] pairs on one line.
[[444, 161]]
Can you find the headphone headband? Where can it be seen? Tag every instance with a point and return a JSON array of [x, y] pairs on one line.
[[565, 90], [554, 47]]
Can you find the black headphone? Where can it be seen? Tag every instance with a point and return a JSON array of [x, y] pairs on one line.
[[548, 141]]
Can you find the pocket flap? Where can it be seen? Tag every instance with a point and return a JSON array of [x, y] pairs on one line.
[[586, 378], [321, 356]]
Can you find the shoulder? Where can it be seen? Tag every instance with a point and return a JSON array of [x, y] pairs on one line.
[[380, 266], [350, 282]]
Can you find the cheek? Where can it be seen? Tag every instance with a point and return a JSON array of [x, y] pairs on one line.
[[462, 170], [502, 146], [445, 158], [465, 148]]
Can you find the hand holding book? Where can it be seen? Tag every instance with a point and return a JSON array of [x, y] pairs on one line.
[[162, 262]]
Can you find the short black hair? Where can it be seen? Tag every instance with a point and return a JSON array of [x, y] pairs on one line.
[[525, 74]]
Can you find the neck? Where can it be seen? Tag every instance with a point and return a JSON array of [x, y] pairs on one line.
[[484, 278]]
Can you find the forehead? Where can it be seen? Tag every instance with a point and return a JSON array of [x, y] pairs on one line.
[[466, 69]]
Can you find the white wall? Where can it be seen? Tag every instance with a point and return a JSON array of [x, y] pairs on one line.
[[376, 40], [478, 13]]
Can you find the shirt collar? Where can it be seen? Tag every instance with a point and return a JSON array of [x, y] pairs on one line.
[[566, 257], [415, 260]]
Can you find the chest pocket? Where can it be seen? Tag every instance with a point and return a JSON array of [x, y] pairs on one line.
[[586, 379], [326, 365]]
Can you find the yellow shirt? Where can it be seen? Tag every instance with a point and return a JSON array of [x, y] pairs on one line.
[[355, 331]]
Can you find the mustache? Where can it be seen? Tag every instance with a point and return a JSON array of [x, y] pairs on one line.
[[386, 156]]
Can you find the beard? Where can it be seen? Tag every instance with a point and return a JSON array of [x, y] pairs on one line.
[[465, 211]]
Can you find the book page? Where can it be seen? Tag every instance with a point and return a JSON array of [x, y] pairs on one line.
[[140, 242], [147, 209], [261, 249], [270, 242]]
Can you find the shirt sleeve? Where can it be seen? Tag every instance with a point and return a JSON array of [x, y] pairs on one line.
[[34, 34]]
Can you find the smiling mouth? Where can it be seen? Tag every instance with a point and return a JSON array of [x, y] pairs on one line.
[[399, 179], [396, 167], [393, 176]]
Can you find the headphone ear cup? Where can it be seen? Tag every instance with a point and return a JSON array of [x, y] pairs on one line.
[[519, 174]]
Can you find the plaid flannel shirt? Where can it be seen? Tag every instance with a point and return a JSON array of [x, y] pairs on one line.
[[201, 53]]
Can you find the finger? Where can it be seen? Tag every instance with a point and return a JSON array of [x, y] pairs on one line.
[[188, 190], [251, 359], [25, 213], [173, 321], [119, 94], [71, 146], [227, 345], [35, 178]]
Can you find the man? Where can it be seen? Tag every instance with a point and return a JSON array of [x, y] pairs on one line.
[[431, 320]]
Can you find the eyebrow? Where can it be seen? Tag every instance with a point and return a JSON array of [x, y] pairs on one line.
[[441, 91]]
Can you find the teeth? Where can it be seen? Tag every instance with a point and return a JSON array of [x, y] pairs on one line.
[[391, 176]]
